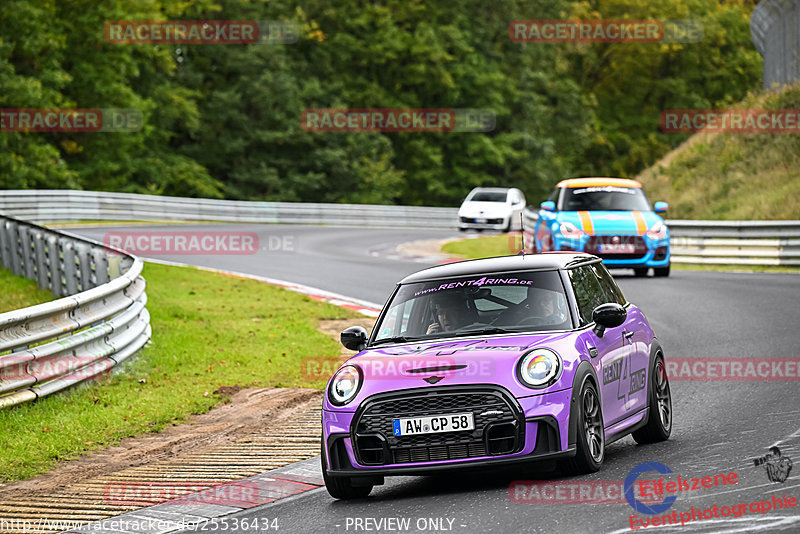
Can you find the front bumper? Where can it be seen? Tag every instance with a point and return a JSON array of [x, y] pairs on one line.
[[491, 223], [653, 253], [543, 435]]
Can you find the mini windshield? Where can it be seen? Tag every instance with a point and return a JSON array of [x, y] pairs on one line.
[[485, 304], [604, 199], [489, 196]]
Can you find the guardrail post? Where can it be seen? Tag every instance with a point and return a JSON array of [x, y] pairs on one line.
[[40, 265], [28, 261], [5, 244], [100, 261], [53, 263], [70, 267], [84, 266], [16, 260]]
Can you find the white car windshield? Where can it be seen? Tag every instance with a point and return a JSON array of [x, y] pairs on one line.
[[489, 196]]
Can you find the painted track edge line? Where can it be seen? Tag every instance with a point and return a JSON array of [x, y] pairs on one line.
[[370, 309]]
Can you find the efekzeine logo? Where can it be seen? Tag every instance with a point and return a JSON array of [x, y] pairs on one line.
[[637, 504]]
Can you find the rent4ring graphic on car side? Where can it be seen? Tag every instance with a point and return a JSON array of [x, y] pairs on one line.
[[573, 366]]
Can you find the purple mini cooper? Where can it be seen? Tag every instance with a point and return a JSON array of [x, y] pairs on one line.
[[494, 362]]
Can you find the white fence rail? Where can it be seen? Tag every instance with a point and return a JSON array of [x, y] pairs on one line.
[[695, 242], [100, 321], [59, 205], [774, 243]]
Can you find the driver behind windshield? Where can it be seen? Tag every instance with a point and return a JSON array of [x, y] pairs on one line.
[[450, 313], [540, 307]]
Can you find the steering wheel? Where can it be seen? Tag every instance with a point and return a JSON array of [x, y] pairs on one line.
[[533, 319]]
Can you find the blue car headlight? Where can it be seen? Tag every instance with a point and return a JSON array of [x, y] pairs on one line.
[[657, 232], [539, 368], [570, 231]]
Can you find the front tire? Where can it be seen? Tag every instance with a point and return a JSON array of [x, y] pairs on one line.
[[661, 271], [659, 418], [342, 488], [640, 272], [591, 443]]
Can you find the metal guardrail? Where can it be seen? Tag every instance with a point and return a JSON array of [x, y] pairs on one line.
[[775, 29], [100, 321], [727, 242], [66, 205], [694, 242]]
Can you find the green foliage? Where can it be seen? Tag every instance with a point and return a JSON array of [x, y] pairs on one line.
[[223, 121]]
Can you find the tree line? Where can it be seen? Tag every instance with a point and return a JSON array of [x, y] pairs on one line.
[[223, 120]]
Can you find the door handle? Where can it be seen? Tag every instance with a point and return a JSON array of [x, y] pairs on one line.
[[627, 335]]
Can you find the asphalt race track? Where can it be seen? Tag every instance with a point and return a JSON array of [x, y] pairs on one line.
[[719, 426]]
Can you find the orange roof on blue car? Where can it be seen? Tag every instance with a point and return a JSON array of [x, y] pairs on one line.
[[598, 182]]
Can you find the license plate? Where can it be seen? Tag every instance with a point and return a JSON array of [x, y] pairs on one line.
[[480, 221], [617, 248], [433, 424]]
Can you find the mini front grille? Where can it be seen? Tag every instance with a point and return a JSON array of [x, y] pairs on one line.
[[491, 409]]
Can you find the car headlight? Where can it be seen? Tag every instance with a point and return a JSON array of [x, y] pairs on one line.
[[345, 385], [657, 231], [539, 368], [570, 231]]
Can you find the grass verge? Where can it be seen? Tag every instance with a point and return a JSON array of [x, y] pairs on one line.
[[20, 292], [484, 247], [209, 331], [490, 246]]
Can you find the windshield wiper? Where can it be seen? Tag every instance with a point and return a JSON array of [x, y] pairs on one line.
[[396, 339], [490, 330]]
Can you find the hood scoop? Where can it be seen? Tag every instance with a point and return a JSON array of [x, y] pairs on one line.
[[436, 369]]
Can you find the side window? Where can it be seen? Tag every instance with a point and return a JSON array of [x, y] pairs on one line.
[[610, 287], [588, 291], [397, 319]]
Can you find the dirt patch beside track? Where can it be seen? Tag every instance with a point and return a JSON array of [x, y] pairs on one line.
[[249, 412]]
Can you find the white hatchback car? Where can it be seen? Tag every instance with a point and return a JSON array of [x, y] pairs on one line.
[[492, 208]]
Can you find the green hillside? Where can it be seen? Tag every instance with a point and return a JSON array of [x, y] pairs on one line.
[[733, 176]]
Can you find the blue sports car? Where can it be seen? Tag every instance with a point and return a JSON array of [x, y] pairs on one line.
[[608, 217]]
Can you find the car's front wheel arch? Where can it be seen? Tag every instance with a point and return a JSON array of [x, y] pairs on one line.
[[584, 372]]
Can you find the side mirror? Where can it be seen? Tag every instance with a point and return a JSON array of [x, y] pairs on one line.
[[661, 207], [548, 205], [354, 338], [608, 315]]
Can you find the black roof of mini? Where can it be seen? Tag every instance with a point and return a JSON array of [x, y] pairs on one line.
[[528, 262]]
